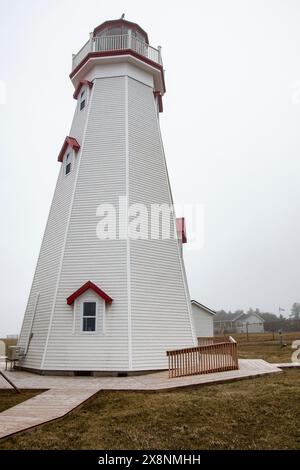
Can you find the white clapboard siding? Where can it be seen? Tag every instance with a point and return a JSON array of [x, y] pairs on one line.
[[203, 321], [101, 180], [160, 316], [47, 270], [121, 154], [45, 278]]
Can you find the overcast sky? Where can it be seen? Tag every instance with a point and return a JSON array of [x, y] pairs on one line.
[[231, 130]]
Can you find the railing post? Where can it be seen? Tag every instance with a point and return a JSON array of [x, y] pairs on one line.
[[92, 42], [129, 39], [159, 54]]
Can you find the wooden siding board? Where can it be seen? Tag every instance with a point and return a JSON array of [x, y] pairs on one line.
[[160, 318], [101, 180]]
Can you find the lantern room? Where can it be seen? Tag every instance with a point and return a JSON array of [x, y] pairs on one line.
[[119, 28]]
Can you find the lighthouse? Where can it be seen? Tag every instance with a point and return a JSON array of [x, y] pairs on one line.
[[109, 293]]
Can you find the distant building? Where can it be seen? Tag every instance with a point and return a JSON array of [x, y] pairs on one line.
[[239, 323], [251, 322], [203, 318]]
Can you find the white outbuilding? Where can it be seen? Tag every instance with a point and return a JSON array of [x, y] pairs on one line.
[[203, 319]]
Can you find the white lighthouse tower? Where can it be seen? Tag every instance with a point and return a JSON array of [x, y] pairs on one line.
[[112, 304]]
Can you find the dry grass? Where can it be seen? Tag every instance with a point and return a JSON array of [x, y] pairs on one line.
[[9, 398], [261, 413], [263, 346]]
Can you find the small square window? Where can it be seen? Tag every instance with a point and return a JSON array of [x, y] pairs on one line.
[[82, 94], [82, 105]]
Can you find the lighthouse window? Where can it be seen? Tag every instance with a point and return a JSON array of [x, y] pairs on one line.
[[68, 164], [82, 100], [89, 316]]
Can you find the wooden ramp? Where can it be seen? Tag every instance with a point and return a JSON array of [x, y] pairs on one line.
[[47, 406], [65, 394]]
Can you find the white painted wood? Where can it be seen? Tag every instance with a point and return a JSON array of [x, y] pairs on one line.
[[117, 42], [121, 154], [203, 321], [31, 323]]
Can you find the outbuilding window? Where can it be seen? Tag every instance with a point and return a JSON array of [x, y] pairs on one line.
[[89, 316]]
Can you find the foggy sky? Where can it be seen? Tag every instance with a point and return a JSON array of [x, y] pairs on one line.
[[230, 129]]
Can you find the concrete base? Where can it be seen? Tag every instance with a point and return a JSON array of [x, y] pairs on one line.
[[87, 373]]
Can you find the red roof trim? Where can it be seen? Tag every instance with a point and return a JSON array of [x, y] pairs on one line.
[[68, 141], [79, 86], [180, 227], [157, 95], [118, 23], [84, 288], [118, 52]]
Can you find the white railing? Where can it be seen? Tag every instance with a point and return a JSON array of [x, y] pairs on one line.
[[111, 43], [117, 42], [77, 58]]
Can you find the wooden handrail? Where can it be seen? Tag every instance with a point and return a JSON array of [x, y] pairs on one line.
[[205, 340], [218, 357]]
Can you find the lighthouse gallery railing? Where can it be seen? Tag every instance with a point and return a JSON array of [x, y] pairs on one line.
[[117, 42]]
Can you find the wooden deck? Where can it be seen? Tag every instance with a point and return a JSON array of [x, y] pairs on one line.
[[64, 394]]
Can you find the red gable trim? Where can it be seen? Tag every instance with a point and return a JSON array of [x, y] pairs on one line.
[[120, 23], [180, 227], [79, 86], [157, 95], [118, 52], [68, 141], [85, 287]]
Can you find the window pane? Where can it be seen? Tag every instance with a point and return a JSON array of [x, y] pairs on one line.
[[82, 105], [68, 168], [89, 324], [89, 309]]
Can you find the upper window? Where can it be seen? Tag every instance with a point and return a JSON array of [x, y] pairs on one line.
[[89, 316], [68, 163], [82, 100]]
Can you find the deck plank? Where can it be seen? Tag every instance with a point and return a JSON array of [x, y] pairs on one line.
[[64, 394]]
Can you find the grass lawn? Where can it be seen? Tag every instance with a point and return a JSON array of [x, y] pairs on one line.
[[9, 398], [263, 346], [261, 413]]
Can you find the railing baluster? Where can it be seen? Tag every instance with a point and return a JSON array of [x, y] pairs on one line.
[[117, 42], [211, 357]]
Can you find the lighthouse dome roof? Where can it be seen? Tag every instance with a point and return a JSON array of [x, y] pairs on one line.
[[120, 26]]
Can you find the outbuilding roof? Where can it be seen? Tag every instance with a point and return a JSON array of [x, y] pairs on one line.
[[208, 310]]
